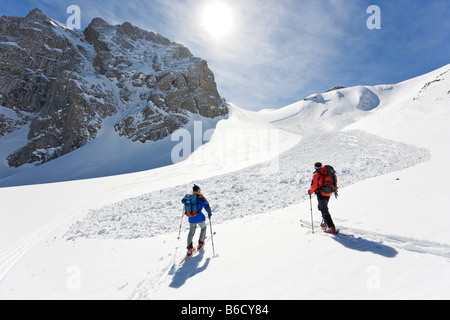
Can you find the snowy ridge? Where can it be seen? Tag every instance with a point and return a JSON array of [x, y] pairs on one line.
[[331, 111]]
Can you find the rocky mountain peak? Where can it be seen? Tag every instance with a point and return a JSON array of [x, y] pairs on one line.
[[37, 15], [335, 88], [64, 84]]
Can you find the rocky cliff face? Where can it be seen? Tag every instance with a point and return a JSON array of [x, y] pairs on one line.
[[65, 83]]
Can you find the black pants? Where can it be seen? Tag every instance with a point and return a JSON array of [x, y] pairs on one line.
[[323, 207]]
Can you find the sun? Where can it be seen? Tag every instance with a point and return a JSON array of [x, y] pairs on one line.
[[217, 20]]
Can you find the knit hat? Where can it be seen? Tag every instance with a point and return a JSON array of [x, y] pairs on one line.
[[318, 165], [196, 188]]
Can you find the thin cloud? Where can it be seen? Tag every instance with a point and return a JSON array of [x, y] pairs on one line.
[[280, 51], [276, 49]]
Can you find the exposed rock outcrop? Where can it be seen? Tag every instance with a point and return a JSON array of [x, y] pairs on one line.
[[65, 83]]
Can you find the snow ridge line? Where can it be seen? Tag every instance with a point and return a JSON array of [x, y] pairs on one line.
[[11, 256]]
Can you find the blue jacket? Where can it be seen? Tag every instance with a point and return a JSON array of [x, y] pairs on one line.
[[202, 204]]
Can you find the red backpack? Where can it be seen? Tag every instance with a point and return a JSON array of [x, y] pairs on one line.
[[328, 180]]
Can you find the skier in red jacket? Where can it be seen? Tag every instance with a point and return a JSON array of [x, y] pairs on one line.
[[319, 180]]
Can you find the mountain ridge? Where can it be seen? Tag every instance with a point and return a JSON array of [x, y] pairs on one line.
[[63, 84]]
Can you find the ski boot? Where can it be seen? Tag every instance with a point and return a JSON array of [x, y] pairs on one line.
[[331, 230], [190, 251]]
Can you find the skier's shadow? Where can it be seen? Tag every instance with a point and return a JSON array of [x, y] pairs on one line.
[[189, 270], [364, 245]]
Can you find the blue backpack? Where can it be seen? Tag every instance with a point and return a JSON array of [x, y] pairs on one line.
[[190, 205]]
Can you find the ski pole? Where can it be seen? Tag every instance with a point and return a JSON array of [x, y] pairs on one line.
[[181, 223], [212, 238], [312, 220]]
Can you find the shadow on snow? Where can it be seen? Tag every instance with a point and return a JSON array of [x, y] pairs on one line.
[[364, 245], [189, 270]]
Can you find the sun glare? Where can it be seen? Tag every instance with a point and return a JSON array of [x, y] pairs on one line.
[[217, 20]]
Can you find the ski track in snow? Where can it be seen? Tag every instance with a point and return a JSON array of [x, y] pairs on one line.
[[355, 155], [405, 243], [384, 244], [11, 256], [153, 280]]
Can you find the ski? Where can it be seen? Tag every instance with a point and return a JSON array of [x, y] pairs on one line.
[[307, 224], [186, 258], [196, 250]]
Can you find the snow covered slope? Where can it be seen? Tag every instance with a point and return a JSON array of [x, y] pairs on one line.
[[104, 156], [117, 237], [232, 147]]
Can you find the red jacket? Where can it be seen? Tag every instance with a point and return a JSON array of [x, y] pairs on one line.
[[318, 182]]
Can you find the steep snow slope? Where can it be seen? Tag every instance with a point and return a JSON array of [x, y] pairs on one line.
[[387, 162], [104, 156]]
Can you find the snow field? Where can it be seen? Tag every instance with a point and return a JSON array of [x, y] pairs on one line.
[[253, 190], [120, 240]]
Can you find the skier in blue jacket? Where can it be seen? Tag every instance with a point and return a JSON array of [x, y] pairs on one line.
[[198, 220]]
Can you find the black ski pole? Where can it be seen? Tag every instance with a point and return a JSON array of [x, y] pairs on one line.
[[312, 220]]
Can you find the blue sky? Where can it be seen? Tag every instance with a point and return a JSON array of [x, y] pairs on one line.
[[280, 51]]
